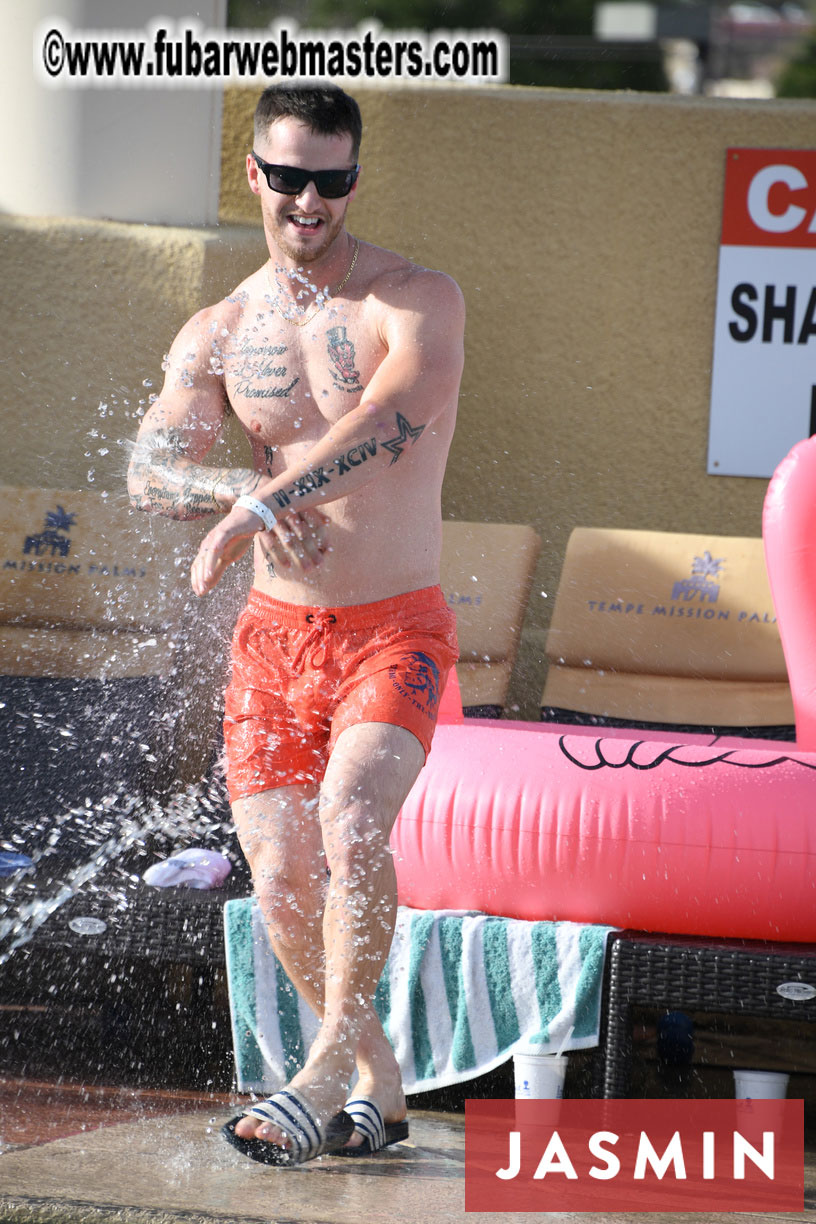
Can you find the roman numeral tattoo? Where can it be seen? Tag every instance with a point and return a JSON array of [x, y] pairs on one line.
[[352, 458]]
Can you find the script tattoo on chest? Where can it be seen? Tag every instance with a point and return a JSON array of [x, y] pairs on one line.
[[261, 374], [342, 360]]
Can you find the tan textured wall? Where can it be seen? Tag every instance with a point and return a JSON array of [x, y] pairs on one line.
[[583, 229], [89, 308]]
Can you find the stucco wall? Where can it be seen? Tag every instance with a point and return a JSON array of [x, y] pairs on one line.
[[89, 309], [583, 229]]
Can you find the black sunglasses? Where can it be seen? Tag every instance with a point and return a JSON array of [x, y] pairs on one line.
[[291, 180]]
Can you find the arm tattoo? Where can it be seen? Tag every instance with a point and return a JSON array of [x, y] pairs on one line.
[[406, 431], [163, 479], [352, 458]]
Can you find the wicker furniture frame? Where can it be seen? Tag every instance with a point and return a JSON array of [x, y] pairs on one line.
[[161, 925], [733, 976], [141, 1001]]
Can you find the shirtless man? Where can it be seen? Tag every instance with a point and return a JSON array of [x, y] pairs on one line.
[[348, 400]]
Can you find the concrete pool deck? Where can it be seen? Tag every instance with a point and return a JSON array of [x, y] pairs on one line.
[[158, 1159]]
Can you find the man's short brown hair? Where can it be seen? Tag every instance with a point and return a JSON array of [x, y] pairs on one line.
[[325, 109]]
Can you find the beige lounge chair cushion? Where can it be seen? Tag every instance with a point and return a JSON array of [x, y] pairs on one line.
[[666, 627], [88, 588], [487, 569]]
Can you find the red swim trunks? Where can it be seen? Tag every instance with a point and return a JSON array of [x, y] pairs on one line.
[[301, 675]]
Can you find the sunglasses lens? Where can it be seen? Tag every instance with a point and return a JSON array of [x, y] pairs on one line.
[[286, 179], [332, 184]]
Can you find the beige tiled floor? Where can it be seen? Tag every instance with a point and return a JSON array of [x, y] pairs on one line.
[[157, 1158]]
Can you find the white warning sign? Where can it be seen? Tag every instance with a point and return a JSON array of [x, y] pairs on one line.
[[763, 384]]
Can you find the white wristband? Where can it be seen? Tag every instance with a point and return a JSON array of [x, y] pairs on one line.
[[257, 507]]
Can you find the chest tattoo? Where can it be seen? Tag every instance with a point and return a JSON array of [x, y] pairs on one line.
[[258, 366], [342, 360]]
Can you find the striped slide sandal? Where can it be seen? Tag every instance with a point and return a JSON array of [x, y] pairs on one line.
[[368, 1121], [291, 1113]]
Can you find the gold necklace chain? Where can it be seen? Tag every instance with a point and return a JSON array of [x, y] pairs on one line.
[[290, 316]]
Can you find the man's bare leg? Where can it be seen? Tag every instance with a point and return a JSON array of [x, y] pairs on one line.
[[281, 837], [279, 832], [371, 770], [370, 773]]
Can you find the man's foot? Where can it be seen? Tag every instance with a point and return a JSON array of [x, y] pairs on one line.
[[371, 1131], [385, 1093], [289, 1115], [321, 1083]]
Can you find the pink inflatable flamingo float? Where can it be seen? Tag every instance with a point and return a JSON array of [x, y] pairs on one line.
[[689, 834]]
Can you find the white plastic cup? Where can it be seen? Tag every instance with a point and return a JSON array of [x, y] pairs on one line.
[[760, 1085], [539, 1077]]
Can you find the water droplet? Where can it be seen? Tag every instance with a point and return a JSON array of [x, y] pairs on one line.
[[88, 926]]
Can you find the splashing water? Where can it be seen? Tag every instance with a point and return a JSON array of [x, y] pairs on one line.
[[87, 763], [193, 813]]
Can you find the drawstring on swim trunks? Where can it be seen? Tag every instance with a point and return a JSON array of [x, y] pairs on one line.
[[320, 622]]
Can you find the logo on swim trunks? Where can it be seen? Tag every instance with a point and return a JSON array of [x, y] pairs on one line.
[[416, 676]]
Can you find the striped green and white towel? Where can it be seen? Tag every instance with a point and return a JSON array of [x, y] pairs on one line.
[[461, 992]]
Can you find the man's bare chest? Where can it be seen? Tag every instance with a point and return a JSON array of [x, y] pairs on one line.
[[281, 378]]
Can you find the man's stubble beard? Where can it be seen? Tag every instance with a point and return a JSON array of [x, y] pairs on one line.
[[278, 229]]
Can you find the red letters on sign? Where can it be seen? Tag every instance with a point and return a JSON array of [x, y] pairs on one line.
[[770, 198]]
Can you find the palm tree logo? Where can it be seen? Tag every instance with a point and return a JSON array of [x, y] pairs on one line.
[[49, 539], [700, 585]]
